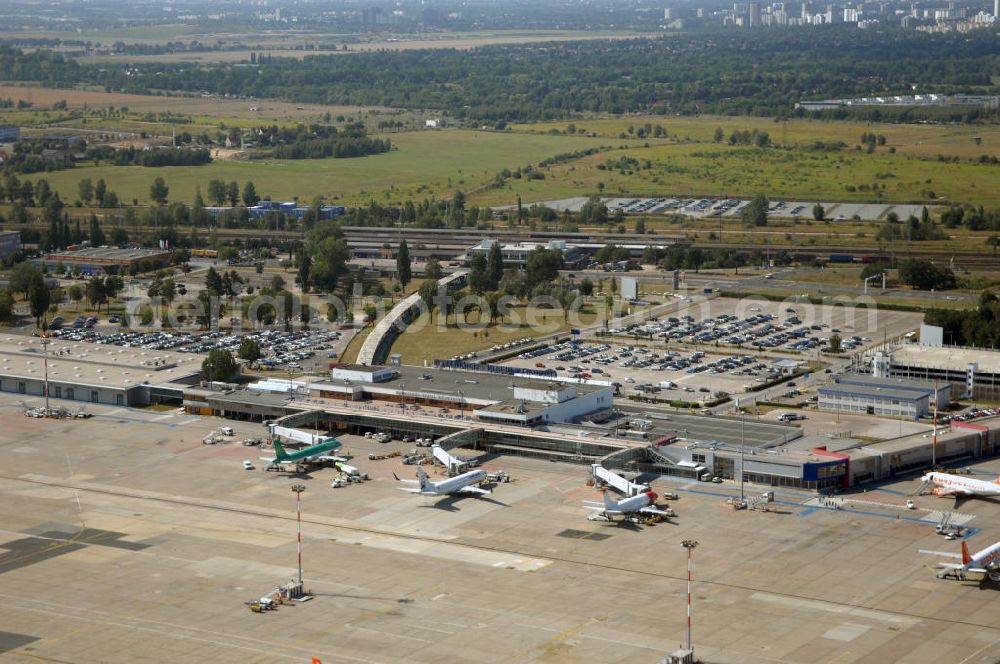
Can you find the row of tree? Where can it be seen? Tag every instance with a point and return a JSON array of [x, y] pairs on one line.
[[978, 327], [730, 72]]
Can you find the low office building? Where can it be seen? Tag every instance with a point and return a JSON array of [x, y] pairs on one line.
[[10, 243], [971, 371], [882, 396], [516, 255], [10, 134], [108, 260], [291, 210], [94, 374], [489, 397], [535, 403]]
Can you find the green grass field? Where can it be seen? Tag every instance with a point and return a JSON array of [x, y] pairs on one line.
[[430, 341], [927, 140], [426, 164], [721, 170]]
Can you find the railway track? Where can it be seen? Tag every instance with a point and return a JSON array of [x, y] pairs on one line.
[[447, 241]]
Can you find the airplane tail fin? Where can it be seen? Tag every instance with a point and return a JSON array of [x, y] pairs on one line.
[[608, 503], [279, 451], [966, 558], [422, 476]]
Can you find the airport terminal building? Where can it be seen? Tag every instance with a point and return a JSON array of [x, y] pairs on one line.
[[94, 374]]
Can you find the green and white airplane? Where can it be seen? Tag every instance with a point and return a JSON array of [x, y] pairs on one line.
[[317, 453]]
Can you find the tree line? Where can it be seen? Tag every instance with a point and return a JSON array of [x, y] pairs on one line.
[[728, 72]]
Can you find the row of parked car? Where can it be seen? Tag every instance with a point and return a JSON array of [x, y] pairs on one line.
[[281, 347], [761, 330], [971, 414], [59, 324]]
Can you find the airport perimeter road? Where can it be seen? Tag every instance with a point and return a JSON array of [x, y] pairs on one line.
[[124, 539]]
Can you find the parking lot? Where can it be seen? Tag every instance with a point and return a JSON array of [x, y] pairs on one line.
[[757, 324], [280, 348], [719, 347], [733, 207], [669, 374]]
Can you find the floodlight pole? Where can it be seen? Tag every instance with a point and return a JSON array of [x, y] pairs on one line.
[[45, 355], [689, 545], [934, 437], [742, 445], [298, 489]]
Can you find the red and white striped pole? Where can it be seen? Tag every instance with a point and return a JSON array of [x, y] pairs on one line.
[[689, 545], [934, 439], [298, 489]]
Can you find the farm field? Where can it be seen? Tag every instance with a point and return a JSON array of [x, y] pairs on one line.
[[297, 47], [426, 164], [291, 39], [687, 163], [214, 109]]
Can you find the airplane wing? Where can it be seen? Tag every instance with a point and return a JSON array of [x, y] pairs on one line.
[[650, 509], [406, 481], [324, 457], [473, 490], [602, 509], [401, 488], [943, 554]]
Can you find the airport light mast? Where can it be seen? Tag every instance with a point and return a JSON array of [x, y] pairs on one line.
[[298, 489], [689, 545], [45, 355], [742, 445], [934, 437]]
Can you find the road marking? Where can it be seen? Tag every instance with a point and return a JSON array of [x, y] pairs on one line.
[[819, 605]]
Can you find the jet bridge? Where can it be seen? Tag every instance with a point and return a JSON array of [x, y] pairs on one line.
[[604, 476], [307, 437], [285, 427]]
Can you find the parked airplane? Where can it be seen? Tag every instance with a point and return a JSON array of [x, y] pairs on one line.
[[643, 503], [317, 453], [985, 562], [959, 486], [459, 484]]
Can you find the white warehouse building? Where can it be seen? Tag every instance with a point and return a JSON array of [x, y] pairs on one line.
[[882, 396]]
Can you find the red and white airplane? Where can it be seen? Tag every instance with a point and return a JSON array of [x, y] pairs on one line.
[[985, 562], [960, 486], [643, 503]]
